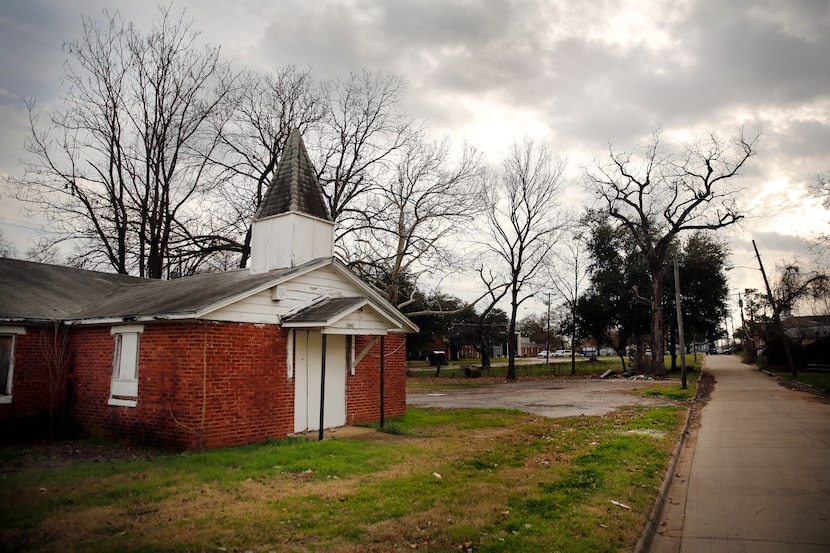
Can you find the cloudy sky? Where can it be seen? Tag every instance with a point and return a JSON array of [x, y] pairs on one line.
[[578, 74]]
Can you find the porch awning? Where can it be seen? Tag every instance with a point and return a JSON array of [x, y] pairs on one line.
[[352, 315]]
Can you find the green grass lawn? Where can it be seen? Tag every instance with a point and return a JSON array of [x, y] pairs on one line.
[[437, 480], [818, 380]]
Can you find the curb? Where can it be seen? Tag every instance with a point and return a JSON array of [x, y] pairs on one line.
[[643, 544]]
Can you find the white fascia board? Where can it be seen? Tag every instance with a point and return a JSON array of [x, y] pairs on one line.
[[302, 325], [394, 322], [131, 319], [330, 321], [325, 326], [347, 312], [25, 321], [301, 214], [383, 305], [207, 310], [352, 332]]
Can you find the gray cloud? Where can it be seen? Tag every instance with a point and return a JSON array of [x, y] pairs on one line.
[[591, 72]]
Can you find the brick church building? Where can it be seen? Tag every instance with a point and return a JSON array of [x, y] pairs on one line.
[[296, 342]]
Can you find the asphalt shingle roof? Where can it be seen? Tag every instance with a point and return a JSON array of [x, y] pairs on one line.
[[322, 312], [295, 186], [35, 291]]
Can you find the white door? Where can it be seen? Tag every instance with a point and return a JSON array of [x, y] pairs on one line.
[[308, 352]]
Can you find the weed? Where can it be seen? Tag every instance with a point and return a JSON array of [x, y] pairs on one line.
[[674, 392], [489, 480]]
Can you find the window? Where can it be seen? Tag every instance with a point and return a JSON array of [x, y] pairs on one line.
[[6, 367], [124, 390], [8, 336]]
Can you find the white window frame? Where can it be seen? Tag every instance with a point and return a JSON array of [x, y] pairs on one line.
[[350, 342], [289, 354], [12, 332], [127, 344]]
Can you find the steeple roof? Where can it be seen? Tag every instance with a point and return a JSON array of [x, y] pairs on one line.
[[295, 186]]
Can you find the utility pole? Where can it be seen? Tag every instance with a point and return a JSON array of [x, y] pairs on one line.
[[680, 324], [547, 343], [573, 310], [776, 316]]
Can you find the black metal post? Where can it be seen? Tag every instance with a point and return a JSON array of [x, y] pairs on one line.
[[322, 388], [382, 379]]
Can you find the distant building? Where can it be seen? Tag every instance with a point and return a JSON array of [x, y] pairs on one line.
[[806, 329]]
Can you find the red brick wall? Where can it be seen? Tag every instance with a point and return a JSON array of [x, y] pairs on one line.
[[363, 389], [236, 372], [199, 385], [28, 413]]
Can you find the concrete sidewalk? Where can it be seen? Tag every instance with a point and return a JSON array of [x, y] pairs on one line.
[[755, 477]]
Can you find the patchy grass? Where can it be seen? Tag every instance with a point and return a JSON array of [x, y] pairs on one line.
[[819, 381], [672, 391], [447, 480]]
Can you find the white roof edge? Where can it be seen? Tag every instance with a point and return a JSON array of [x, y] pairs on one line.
[[347, 312], [383, 304], [297, 212], [127, 319], [322, 262], [383, 314]]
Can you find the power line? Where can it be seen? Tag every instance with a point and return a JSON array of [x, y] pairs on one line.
[[21, 224]]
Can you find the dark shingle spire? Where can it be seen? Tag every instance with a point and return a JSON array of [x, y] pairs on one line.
[[295, 186]]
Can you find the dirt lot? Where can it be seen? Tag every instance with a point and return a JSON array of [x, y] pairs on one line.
[[563, 397]]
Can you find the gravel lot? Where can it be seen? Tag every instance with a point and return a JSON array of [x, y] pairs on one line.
[[547, 397]]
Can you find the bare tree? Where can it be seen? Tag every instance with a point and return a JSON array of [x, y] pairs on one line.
[[7, 249], [656, 194], [820, 188], [362, 129], [120, 167], [520, 200], [54, 348], [496, 290], [266, 109], [428, 199], [796, 286], [567, 276]]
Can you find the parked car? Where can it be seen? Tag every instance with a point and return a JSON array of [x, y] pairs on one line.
[[562, 353], [543, 354]]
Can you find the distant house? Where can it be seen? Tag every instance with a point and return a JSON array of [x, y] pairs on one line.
[[806, 329], [211, 360]]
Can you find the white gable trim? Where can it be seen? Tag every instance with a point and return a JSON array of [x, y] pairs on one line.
[[397, 321], [354, 320], [300, 213], [205, 311], [380, 303]]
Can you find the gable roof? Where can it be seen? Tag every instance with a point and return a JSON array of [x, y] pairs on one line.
[[40, 292], [37, 292], [325, 312], [295, 186], [348, 315]]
